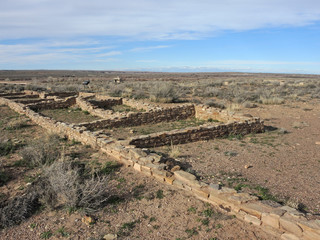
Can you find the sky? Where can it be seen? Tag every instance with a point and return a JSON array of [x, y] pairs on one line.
[[168, 35]]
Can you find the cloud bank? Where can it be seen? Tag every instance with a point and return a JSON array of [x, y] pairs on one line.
[[149, 19]]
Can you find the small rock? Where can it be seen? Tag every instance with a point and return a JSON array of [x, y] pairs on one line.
[[88, 220], [110, 236], [175, 168], [247, 166], [317, 143]]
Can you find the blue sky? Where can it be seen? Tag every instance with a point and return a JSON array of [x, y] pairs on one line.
[[166, 35]]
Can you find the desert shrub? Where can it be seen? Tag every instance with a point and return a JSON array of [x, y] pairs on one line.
[[164, 92], [234, 107], [65, 180], [116, 90], [18, 209], [16, 124], [41, 152], [271, 100], [212, 103], [4, 177], [249, 105], [6, 146]]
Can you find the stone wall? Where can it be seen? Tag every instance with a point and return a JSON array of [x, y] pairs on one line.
[[140, 118], [22, 96], [28, 101], [94, 110], [53, 104], [105, 104], [193, 134]]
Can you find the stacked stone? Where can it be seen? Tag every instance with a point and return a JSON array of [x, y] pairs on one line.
[[201, 133], [140, 118], [53, 104]]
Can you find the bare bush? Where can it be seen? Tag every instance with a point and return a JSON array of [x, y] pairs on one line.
[[164, 92], [6, 146], [41, 152], [212, 103], [271, 100], [72, 189], [18, 209]]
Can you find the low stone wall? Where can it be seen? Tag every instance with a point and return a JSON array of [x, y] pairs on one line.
[[22, 96], [53, 104], [94, 110], [57, 94], [193, 134], [12, 94], [28, 101], [105, 104], [140, 118]]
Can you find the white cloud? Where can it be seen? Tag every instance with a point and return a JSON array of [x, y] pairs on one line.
[[142, 49], [149, 19]]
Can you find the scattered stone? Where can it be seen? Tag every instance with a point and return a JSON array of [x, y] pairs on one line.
[[175, 168], [88, 220], [247, 166], [317, 143], [110, 236]]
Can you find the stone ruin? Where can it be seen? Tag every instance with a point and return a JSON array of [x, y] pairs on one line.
[[133, 152]]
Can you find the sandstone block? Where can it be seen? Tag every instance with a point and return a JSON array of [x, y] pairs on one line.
[[159, 175], [288, 223], [201, 192], [270, 220], [186, 178], [242, 198], [146, 170], [310, 235], [178, 184], [137, 167], [255, 208], [288, 236], [252, 219], [311, 225], [170, 179]]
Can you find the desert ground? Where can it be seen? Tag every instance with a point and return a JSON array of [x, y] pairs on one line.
[[280, 165]]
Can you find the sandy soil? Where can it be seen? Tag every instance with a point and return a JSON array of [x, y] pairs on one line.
[[143, 214]]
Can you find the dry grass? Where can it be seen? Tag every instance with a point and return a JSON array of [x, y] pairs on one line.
[[271, 100]]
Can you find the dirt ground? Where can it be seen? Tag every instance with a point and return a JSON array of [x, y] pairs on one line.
[[146, 210], [281, 164], [139, 207]]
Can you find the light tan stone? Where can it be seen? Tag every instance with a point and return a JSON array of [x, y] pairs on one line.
[[252, 219], [146, 170], [255, 209], [310, 235], [289, 224], [288, 236], [137, 167], [169, 179], [270, 220], [242, 198]]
